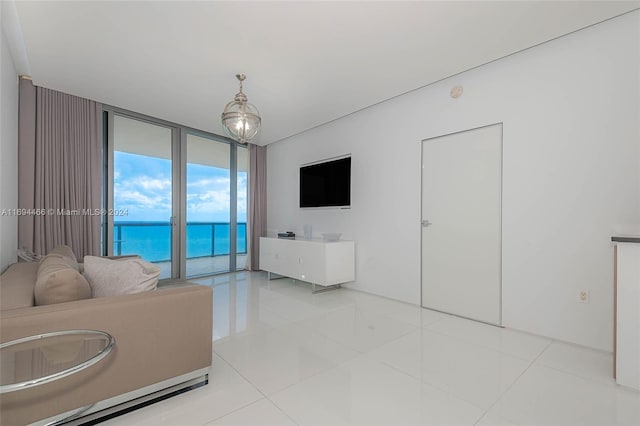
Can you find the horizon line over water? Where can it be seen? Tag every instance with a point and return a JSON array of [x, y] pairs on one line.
[[151, 240]]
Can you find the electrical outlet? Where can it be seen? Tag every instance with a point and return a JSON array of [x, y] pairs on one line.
[[583, 296]]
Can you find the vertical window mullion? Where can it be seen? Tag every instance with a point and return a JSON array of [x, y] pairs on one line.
[[108, 232], [183, 202], [233, 208]]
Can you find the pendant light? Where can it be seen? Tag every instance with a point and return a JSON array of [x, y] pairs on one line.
[[240, 119]]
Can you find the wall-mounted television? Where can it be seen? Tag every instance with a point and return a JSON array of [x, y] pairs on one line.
[[326, 183]]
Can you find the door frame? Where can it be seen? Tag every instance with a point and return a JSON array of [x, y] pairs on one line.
[[176, 190], [179, 187], [233, 194], [422, 143]]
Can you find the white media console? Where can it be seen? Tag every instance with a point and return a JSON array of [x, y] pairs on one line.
[[325, 263]]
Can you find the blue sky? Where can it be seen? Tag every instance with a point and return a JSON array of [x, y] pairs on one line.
[[142, 185]]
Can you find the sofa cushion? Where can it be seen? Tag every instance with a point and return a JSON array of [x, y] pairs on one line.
[[65, 251], [16, 285], [109, 277], [59, 280]]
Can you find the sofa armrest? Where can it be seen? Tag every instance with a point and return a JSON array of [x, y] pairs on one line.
[[159, 335]]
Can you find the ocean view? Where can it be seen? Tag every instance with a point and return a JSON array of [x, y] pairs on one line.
[[152, 240]]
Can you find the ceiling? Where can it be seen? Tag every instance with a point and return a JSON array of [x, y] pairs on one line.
[[307, 63]]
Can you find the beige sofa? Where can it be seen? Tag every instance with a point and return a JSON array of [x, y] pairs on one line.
[[163, 340]]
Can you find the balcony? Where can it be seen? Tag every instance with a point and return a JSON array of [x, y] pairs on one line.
[[207, 245]]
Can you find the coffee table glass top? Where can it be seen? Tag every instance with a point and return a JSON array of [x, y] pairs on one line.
[[35, 360]]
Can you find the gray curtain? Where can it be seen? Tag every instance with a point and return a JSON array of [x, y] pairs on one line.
[[257, 202], [26, 159], [60, 173]]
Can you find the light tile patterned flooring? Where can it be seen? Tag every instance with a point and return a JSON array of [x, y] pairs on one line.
[[286, 357]]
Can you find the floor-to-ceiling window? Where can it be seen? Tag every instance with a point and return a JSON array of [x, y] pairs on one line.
[[208, 206], [177, 196], [142, 188]]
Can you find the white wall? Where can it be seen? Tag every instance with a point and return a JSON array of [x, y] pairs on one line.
[[8, 155], [571, 174]]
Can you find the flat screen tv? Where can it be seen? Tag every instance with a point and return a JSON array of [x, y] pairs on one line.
[[326, 184]]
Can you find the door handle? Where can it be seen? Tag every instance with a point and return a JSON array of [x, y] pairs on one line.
[[426, 223]]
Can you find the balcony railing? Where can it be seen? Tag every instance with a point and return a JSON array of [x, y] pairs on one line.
[[152, 240]]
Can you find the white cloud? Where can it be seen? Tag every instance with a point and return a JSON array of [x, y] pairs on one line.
[[208, 198], [145, 197], [204, 183], [150, 184], [129, 198]]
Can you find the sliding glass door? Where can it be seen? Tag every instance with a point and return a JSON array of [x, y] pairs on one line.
[[208, 201], [182, 193], [143, 215]]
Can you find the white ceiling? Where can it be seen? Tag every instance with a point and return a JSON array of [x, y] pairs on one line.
[[307, 63]]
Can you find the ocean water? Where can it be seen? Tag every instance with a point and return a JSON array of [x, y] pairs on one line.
[[152, 240]]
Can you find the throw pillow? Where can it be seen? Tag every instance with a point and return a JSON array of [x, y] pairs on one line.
[[59, 281], [65, 251], [109, 277]]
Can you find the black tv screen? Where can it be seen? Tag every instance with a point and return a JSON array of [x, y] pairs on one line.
[[326, 184]]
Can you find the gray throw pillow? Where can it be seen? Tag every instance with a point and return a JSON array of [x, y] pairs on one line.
[[109, 277]]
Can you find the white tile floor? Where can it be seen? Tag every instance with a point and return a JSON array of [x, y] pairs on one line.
[[284, 357]]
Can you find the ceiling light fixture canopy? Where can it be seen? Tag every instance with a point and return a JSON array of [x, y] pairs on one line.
[[240, 119]]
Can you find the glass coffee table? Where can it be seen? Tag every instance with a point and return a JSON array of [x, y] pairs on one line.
[[36, 360]]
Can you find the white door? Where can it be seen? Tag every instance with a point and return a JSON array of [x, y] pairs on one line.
[[461, 230]]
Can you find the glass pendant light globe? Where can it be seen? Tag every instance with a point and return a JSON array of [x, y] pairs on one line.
[[240, 119]]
